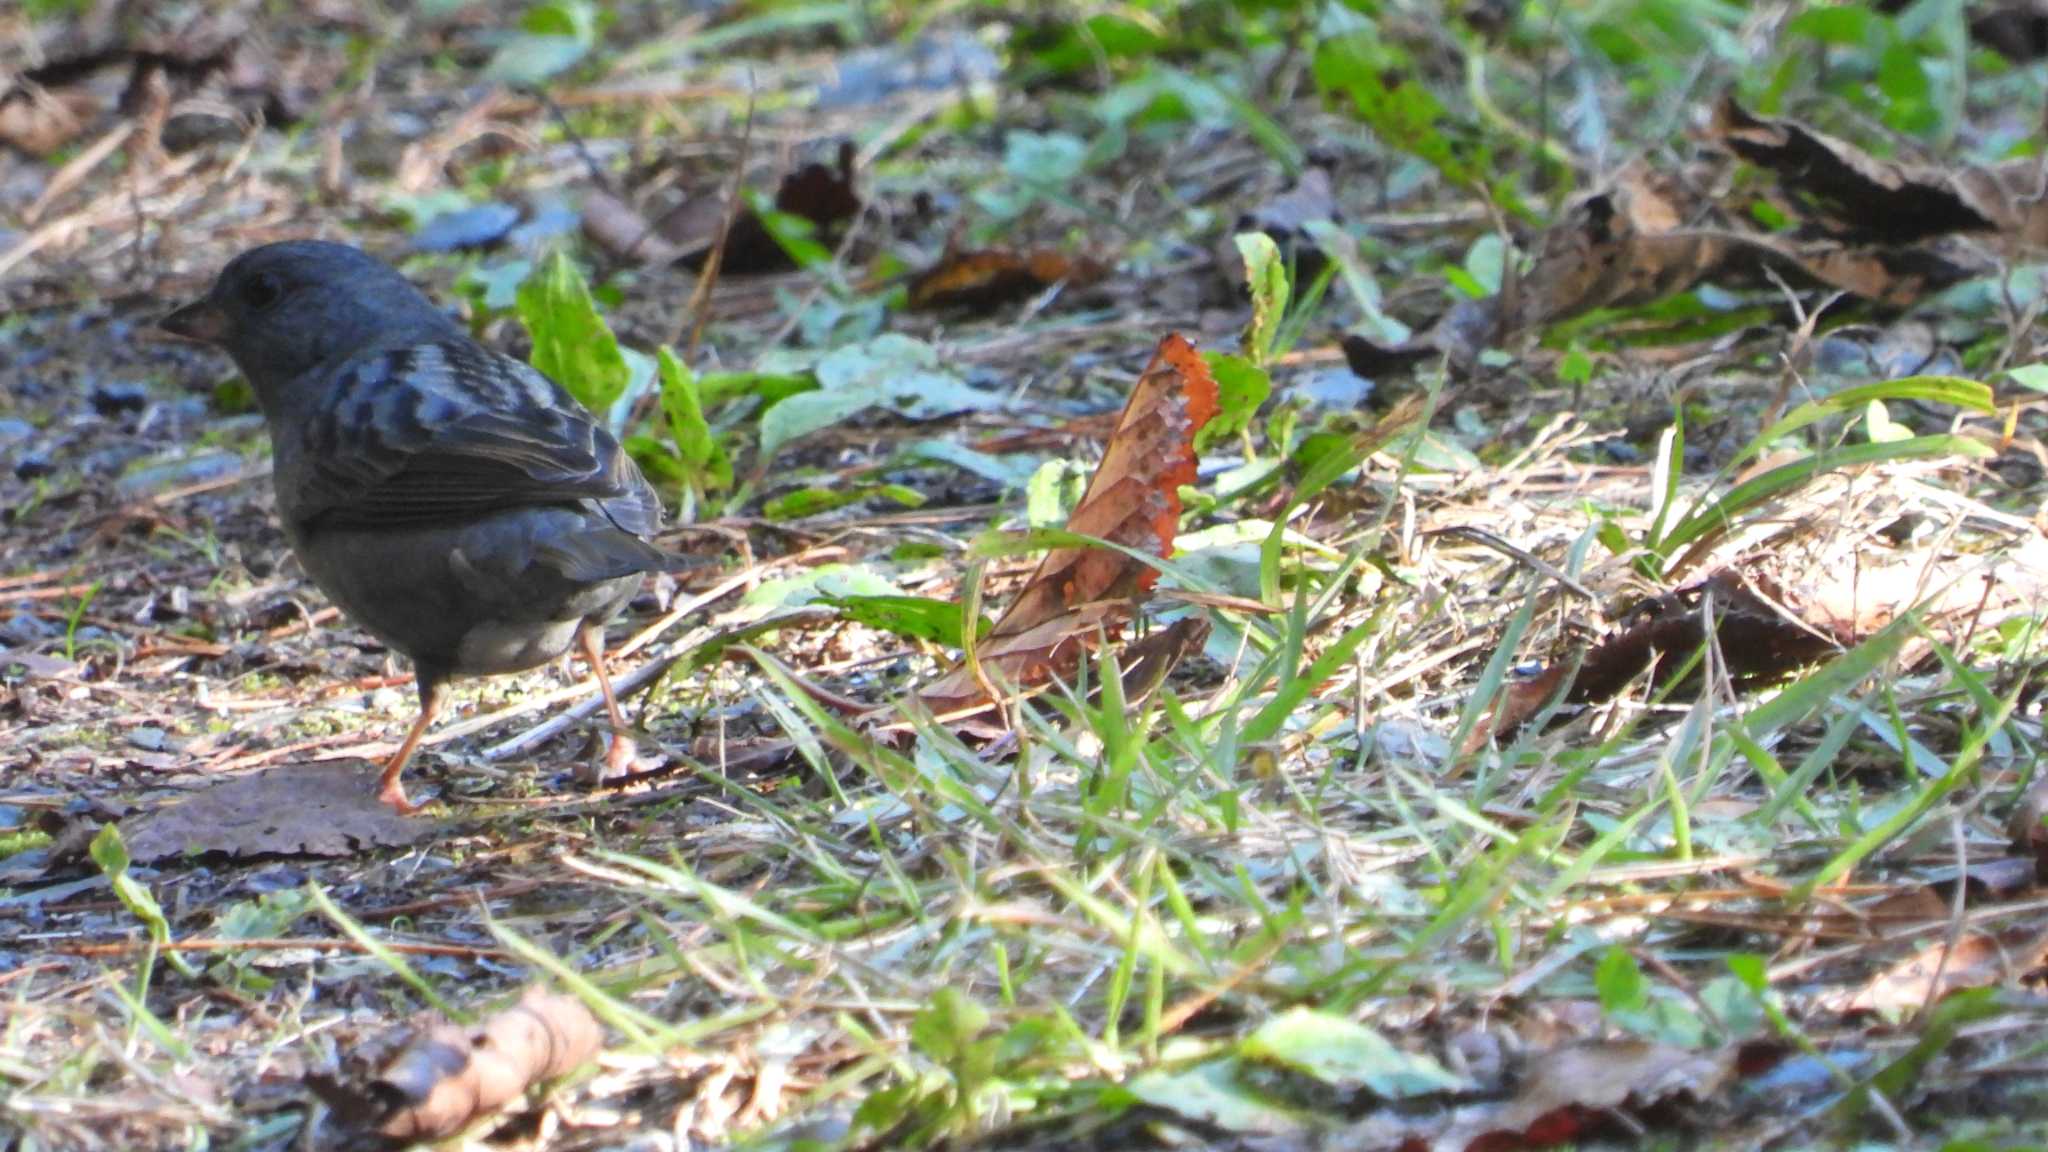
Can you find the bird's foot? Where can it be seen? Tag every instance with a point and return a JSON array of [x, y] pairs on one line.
[[393, 796], [616, 757]]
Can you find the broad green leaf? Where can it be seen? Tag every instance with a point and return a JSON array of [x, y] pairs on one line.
[[2033, 377], [1011, 471], [705, 464], [822, 583], [553, 38], [1241, 387], [1052, 492], [813, 501], [571, 342], [919, 617], [943, 1028], [1213, 1093], [1344, 1053], [1266, 278], [1619, 981], [891, 371]]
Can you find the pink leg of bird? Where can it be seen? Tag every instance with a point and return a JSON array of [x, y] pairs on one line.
[[619, 761], [389, 789]]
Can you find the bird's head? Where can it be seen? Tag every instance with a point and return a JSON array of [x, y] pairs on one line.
[[284, 309]]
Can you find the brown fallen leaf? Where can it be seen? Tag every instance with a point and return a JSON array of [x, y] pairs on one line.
[[449, 1077], [1863, 199], [685, 234], [320, 809], [1574, 1092], [1078, 595], [1772, 618], [984, 279], [1758, 641], [1977, 960], [1286, 217]]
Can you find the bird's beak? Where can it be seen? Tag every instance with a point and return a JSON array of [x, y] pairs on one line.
[[200, 320]]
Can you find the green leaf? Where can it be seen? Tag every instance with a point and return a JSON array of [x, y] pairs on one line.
[[554, 38], [1576, 367], [1619, 981], [706, 466], [1052, 492], [813, 501], [1923, 389], [825, 582], [1241, 386], [1009, 470], [891, 371], [1212, 1093], [1344, 1053], [1878, 422], [1486, 262], [1266, 278], [110, 852], [944, 1028], [918, 617], [571, 342], [2033, 377]]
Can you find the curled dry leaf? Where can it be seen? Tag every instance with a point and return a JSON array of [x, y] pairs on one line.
[[449, 1077], [1633, 241], [1861, 198], [1977, 960], [1078, 595], [984, 279], [1575, 1092], [685, 234], [1770, 621]]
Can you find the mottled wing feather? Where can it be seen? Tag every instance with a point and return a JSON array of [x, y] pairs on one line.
[[443, 432]]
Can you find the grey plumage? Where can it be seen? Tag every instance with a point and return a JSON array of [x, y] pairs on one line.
[[454, 502]]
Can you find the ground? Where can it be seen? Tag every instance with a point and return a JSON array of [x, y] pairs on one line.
[[1580, 686]]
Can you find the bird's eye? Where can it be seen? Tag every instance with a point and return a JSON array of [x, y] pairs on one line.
[[261, 291]]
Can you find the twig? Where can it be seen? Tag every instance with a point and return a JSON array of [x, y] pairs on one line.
[[698, 309], [281, 944]]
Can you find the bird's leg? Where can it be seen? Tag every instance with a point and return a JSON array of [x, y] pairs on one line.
[[389, 789], [619, 760]]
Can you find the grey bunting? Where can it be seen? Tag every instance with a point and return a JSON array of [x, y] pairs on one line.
[[452, 501]]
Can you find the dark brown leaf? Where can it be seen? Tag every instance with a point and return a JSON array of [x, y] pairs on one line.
[[321, 809], [1866, 200], [981, 280]]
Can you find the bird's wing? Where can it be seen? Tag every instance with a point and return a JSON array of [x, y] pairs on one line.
[[447, 431]]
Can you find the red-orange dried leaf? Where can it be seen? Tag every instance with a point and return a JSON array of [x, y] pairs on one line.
[[450, 1077], [987, 278], [1079, 594]]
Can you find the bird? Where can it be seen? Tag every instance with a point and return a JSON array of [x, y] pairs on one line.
[[453, 501]]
